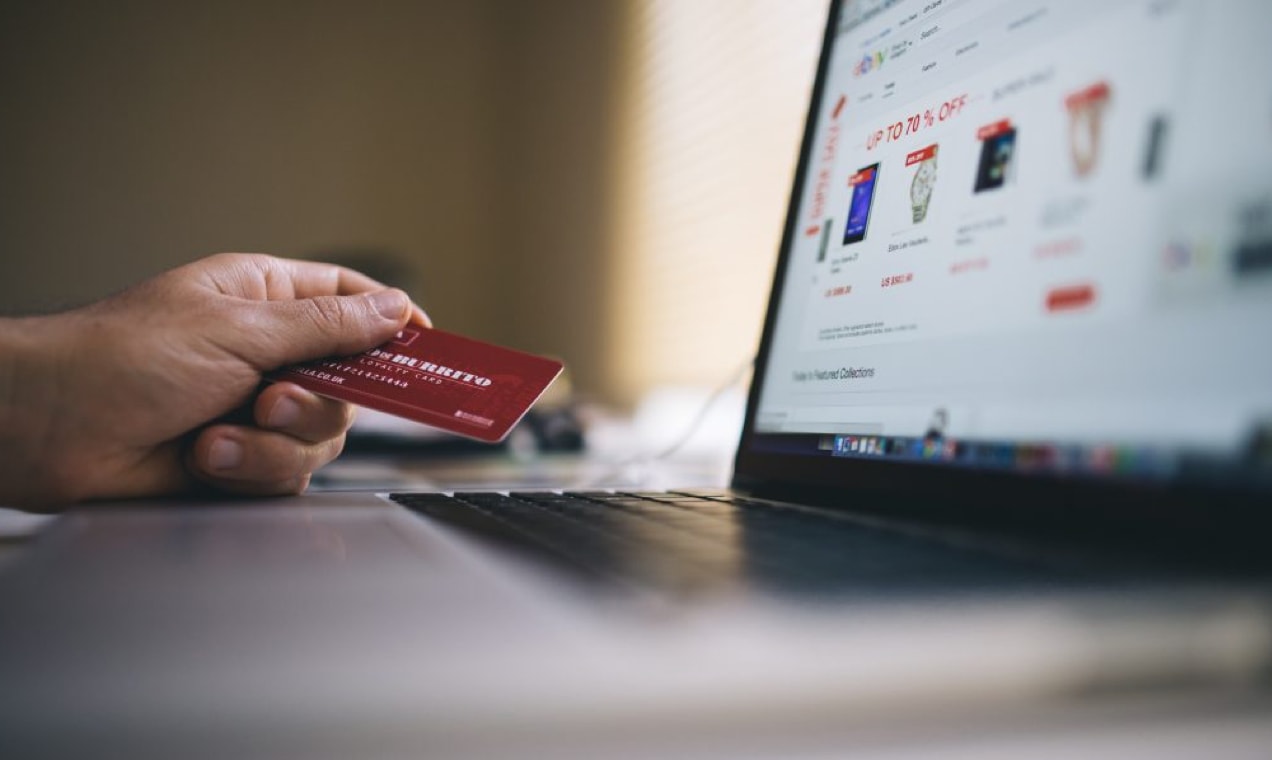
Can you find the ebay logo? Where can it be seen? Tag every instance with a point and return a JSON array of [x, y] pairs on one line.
[[869, 62]]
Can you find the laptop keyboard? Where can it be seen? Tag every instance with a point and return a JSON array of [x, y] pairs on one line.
[[694, 541]]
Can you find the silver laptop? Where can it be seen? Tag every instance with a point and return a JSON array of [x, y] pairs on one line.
[[1009, 440]]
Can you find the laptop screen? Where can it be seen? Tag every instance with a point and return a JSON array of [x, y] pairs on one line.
[[1032, 236]]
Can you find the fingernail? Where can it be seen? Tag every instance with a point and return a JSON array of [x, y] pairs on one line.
[[225, 454], [392, 304], [286, 412]]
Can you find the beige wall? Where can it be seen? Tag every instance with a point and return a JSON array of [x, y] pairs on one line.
[[466, 136], [561, 59]]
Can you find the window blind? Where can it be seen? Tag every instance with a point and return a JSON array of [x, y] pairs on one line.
[[712, 113]]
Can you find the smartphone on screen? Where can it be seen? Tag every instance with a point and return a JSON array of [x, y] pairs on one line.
[[863, 188]]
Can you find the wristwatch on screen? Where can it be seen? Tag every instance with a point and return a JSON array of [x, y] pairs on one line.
[[921, 188]]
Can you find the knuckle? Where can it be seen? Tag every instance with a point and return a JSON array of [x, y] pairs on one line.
[[328, 418], [230, 260], [298, 465], [335, 447], [327, 312], [348, 415], [281, 462], [321, 454], [225, 259], [280, 487], [288, 487]]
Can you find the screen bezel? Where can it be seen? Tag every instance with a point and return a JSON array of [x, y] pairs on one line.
[[936, 488]]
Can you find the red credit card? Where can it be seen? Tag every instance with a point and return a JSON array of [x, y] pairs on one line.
[[475, 389]]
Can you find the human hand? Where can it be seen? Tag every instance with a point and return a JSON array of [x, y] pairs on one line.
[[157, 390]]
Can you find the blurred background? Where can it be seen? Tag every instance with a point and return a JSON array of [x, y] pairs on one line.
[[601, 180]]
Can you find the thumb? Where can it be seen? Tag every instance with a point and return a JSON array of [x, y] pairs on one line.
[[314, 328]]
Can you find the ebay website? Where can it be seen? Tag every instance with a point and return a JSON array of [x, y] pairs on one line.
[[1040, 221]]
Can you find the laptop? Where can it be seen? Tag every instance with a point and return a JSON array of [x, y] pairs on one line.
[[1020, 300], [1008, 441]]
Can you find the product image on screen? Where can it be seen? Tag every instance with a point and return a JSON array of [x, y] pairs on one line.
[[1153, 151], [863, 187], [923, 182], [1086, 113], [1252, 258], [825, 240], [998, 148]]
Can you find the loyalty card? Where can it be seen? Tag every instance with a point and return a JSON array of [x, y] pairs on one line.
[[475, 389]]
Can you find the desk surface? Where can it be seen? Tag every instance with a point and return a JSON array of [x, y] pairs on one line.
[[177, 673]]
